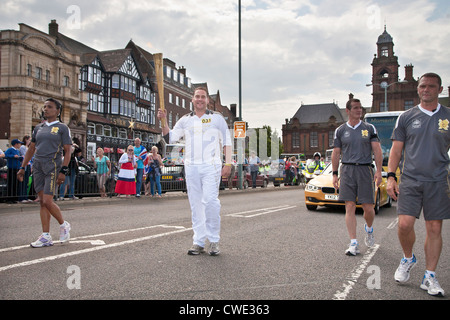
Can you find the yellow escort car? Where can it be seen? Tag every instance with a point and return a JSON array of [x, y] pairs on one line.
[[321, 192]]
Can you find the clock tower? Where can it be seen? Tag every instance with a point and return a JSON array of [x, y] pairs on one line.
[[389, 92]]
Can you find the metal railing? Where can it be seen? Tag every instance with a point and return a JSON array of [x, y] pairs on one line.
[[84, 183]]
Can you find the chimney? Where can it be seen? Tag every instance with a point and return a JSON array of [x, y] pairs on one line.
[[409, 72], [350, 96], [182, 70], [53, 28], [233, 109]]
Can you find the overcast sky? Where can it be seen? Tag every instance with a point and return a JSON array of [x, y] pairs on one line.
[[293, 51]]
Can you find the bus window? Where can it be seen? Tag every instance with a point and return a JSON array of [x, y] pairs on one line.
[[384, 122]]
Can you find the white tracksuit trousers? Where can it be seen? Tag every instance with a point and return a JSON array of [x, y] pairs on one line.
[[202, 182]]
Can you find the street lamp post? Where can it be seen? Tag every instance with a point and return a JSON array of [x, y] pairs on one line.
[[384, 85], [239, 141]]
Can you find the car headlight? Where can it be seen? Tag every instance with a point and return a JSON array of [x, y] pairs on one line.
[[311, 187]]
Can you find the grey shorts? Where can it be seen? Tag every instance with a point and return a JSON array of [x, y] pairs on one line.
[[432, 197], [356, 184], [45, 174]]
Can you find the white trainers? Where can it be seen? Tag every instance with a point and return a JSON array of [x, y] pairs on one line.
[[214, 249], [402, 273], [369, 240], [64, 232], [43, 241], [353, 249], [196, 250], [431, 284]]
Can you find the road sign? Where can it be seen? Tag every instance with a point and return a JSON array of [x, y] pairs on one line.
[[239, 129]]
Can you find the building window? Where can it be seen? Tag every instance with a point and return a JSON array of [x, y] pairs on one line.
[[170, 98], [38, 73], [122, 133], [313, 140], [295, 140], [169, 119], [114, 132], [29, 70], [99, 129], [107, 131], [384, 52], [152, 114], [409, 104], [115, 81], [114, 105], [91, 128], [330, 138], [66, 81], [47, 75]]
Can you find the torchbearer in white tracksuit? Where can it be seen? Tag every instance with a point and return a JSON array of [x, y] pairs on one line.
[[205, 134]]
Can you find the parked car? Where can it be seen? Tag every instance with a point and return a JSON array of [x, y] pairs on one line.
[[173, 178], [276, 174], [261, 180], [86, 181], [3, 183], [321, 192]]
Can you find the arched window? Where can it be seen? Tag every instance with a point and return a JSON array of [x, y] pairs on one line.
[[107, 131], [91, 128], [99, 129]]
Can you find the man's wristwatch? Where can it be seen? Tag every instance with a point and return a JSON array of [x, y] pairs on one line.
[[22, 168], [64, 170], [227, 164], [335, 173], [392, 174]]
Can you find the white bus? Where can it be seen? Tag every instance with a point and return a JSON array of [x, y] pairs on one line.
[[384, 122]]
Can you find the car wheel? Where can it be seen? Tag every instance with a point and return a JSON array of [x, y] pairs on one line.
[[311, 207], [389, 202]]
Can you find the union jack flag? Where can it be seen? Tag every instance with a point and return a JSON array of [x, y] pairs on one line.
[[143, 155]]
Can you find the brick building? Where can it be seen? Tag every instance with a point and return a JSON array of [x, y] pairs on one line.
[[311, 129], [34, 67], [399, 94]]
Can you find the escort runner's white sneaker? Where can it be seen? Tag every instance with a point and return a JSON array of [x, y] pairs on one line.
[[402, 272], [431, 284], [64, 232], [44, 240], [352, 250], [369, 239]]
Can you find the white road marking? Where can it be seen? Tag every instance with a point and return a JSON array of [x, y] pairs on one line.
[[93, 242], [101, 247], [356, 273], [259, 212], [393, 224], [96, 242]]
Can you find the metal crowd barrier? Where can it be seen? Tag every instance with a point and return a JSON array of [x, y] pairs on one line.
[[85, 184]]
